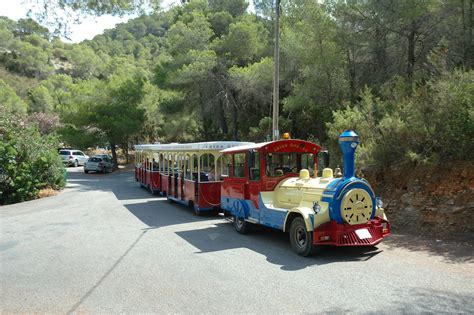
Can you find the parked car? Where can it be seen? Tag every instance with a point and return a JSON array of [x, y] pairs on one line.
[[105, 155], [73, 157], [99, 163]]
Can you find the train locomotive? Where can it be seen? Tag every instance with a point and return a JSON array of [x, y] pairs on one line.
[[326, 210], [276, 184]]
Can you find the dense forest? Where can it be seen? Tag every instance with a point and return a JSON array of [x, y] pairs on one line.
[[398, 72]]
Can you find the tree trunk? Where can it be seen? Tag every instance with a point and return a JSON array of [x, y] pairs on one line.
[[380, 55], [411, 52], [224, 127], [234, 122], [470, 51], [114, 155], [229, 98], [125, 151], [202, 108], [352, 76], [464, 35]]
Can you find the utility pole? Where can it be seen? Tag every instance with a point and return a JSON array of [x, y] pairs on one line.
[[276, 75]]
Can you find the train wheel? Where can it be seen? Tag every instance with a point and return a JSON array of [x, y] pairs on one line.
[[301, 240], [241, 225]]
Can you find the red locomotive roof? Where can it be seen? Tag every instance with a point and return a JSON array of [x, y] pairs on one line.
[[291, 145]]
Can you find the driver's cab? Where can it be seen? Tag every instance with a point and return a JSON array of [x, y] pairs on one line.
[[260, 167]]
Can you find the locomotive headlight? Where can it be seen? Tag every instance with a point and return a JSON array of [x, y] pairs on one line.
[[379, 202], [316, 207]]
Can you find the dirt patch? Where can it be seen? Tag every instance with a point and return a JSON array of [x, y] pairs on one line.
[[47, 192], [429, 200]]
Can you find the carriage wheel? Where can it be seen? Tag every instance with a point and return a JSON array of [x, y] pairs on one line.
[[301, 240], [241, 225]]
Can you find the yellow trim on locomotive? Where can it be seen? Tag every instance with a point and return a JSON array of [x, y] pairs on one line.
[[299, 194]]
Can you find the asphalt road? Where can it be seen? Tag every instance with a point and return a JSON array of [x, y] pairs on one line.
[[106, 245]]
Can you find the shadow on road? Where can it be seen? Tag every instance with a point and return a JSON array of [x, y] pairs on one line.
[[274, 245], [160, 213], [121, 183]]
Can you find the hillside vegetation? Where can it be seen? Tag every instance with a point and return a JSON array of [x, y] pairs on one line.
[[398, 72]]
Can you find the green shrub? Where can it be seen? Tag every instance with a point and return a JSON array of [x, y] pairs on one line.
[[29, 161], [432, 123]]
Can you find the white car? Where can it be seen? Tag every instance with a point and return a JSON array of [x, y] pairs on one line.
[[99, 163], [73, 157]]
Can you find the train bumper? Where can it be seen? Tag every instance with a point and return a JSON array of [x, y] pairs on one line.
[[369, 234]]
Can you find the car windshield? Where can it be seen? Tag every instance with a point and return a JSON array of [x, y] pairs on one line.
[[95, 159], [64, 152]]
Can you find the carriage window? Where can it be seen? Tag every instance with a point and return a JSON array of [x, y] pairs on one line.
[[208, 169], [167, 165], [307, 162], [187, 168], [160, 163], [207, 161], [279, 164], [226, 163], [239, 165], [254, 166], [322, 160]]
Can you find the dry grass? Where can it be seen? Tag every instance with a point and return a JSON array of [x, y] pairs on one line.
[[47, 192]]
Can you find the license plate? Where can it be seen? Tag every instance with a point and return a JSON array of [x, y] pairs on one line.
[[363, 233]]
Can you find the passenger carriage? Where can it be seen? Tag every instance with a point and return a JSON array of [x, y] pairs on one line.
[[187, 173]]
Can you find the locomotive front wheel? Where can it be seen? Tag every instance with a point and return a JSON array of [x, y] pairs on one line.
[[301, 240], [241, 225]]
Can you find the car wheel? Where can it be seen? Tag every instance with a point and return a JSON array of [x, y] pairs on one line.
[[241, 225], [301, 240], [87, 172], [76, 163], [103, 170]]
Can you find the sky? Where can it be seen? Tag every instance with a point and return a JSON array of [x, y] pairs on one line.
[[90, 26]]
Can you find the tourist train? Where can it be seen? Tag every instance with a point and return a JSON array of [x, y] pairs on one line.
[[275, 184]]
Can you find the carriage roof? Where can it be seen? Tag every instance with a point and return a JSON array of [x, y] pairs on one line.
[[211, 146], [287, 145]]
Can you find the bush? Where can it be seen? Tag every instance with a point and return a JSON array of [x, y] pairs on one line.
[[431, 123], [29, 161]]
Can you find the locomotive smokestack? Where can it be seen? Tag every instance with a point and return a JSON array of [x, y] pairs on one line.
[[348, 141]]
